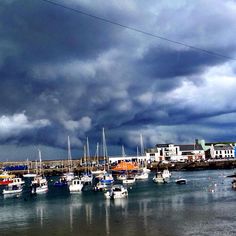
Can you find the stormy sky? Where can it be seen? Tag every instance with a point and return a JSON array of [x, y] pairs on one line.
[[64, 73]]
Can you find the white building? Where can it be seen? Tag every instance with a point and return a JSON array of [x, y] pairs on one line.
[[219, 151], [176, 153], [163, 152]]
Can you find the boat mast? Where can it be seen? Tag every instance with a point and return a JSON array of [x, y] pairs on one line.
[[104, 148], [85, 155], [69, 155], [40, 162], [123, 151], [88, 153], [97, 154], [141, 145]]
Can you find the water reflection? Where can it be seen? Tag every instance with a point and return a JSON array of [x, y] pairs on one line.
[[149, 210], [40, 209], [71, 218], [107, 217]]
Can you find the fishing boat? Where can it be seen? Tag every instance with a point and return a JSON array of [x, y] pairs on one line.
[[181, 181], [39, 185], [69, 176], [76, 185], [116, 192], [16, 186]]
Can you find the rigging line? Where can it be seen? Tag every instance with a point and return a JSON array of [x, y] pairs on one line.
[[139, 31]]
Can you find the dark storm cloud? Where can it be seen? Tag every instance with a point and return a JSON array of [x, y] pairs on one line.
[[63, 73], [164, 63]]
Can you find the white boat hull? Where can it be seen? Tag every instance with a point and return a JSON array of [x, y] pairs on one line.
[[159, 180], [29, 175], [128, 181], [12, 191], [141, 176], [42, 189]]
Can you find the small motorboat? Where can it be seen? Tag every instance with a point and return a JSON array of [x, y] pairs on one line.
[[129, 180], [76, 185], [158, 178], [141, 176], [181, 181], [116, 192]]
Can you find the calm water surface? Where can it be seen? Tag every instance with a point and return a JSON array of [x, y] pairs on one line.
[[205, 206]]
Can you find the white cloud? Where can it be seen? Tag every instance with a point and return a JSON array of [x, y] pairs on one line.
[[215, 94], [17, 123], [83, 125]]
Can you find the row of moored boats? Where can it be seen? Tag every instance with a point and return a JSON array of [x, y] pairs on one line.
[[103, 181]]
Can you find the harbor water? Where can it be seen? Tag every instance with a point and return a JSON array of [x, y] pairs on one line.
[[203, 206]]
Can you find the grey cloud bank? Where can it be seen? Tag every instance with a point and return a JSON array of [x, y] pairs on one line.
[[64, 74]]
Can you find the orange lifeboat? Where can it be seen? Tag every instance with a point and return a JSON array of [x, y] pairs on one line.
[[125, 166]]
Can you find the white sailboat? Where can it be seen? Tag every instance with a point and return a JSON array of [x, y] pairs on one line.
[[39, 184], [86, 177], [144, 168], [29, 175], [105, 177], [97, 171], [69, 176]]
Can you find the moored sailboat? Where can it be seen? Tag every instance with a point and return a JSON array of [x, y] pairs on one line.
[[39, 184]]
